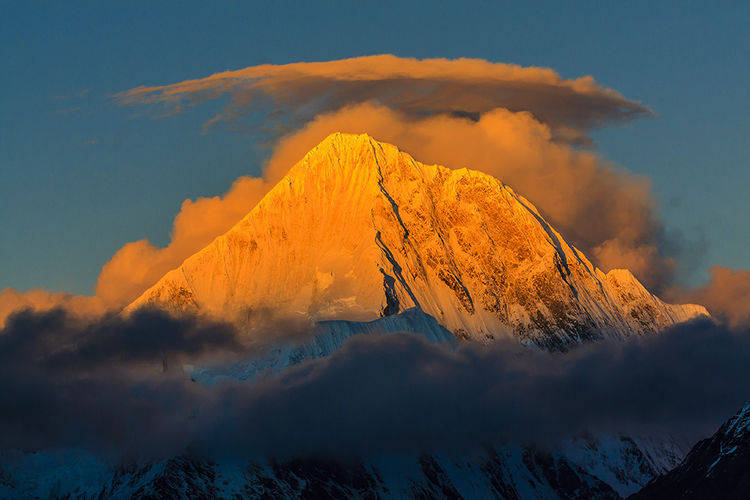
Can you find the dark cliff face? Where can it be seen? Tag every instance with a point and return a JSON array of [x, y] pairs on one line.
[[717, 467]]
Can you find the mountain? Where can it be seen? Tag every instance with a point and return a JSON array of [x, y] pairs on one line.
[[716, 468], [625, 463], [326, 337], [361, 239], [509, 472], [358, 229]]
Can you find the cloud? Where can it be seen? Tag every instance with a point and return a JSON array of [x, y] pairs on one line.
[[56, 341], [417, 88], [399, 392], [39, 299], [101, 384], [726, 295]]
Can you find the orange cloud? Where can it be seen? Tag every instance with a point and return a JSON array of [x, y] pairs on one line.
[[416, 88], [139, 264], [38, 299], [726, 295]]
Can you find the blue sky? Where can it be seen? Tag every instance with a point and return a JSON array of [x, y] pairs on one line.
[[80, 176]]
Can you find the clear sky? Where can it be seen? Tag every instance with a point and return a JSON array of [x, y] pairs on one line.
[[81, 176]]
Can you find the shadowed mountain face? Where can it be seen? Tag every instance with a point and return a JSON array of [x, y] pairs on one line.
[[358, 230], [510, 472], [717, 467]]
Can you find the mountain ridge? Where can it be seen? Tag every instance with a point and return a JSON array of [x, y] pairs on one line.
[[358, 229]]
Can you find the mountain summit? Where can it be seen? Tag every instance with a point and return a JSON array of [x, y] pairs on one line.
[[358, 229]]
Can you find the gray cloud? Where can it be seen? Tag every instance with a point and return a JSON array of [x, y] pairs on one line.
[[102, 385], [399, 392]]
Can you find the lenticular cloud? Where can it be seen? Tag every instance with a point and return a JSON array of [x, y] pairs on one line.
[[417, 88]]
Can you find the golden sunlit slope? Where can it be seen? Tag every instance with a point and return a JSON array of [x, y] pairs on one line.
[[358, 229]]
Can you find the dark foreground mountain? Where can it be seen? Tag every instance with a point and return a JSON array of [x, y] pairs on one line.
[[716, 468]]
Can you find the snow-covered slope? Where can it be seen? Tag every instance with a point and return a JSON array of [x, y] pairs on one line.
[[327, 336], [625, 463], [358, 229]]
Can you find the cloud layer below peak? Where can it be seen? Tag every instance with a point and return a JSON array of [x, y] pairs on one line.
[[115, 385]]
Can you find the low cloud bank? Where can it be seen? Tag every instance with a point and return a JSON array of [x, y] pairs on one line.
[[103, 385], [726, 295]]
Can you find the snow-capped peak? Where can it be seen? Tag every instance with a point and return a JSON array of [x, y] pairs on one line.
[[358, 229]]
